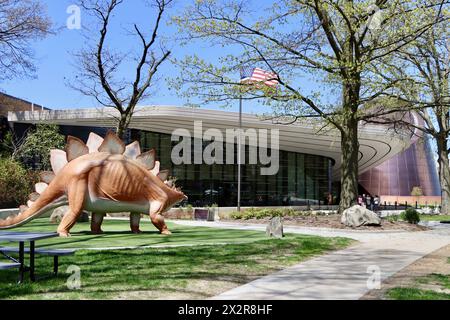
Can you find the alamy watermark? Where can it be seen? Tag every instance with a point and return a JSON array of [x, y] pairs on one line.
[[374, 280], [74, 280], [73, 22], [259, 142], [375, 17]]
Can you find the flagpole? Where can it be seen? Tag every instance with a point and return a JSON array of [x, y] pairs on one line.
[[239, 154], [257, 75]]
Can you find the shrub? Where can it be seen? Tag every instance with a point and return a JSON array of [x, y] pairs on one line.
[[392, 218], [16, 183], [236, 215], [411, 216], [251, 213], [37, 145], [261, 213]]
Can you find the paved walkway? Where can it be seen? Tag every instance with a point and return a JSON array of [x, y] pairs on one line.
[[342, 274]]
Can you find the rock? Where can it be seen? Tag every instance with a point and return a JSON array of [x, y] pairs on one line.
[[358, 216], [437, 211], [275, 228], [427, 210], [58, 215]]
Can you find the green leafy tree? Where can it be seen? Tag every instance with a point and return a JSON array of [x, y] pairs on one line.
[[417, 192], [15, 183], [37, 145], [336, 44], [424, 71], [6, 145]]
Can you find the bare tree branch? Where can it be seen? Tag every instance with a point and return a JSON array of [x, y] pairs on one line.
[[21, 23], [101, 79]]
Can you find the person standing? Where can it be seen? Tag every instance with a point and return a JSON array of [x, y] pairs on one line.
[[330, 199], [368, 201], [360, 200], [376, 202]]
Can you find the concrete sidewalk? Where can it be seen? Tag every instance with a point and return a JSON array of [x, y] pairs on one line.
[[362, 236], [339, 275]]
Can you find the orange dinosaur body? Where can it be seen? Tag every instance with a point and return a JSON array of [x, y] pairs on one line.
[[102, 182]]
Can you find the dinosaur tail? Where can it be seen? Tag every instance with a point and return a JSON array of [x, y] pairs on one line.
[[50, 199]]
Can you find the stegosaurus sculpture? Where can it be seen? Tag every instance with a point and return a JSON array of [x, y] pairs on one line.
[[101, 176]]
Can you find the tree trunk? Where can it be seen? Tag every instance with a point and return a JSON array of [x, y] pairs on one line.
[[123, 124], [349, 139], [444, 173], [349, 166]]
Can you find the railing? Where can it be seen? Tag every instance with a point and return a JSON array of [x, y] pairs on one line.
[[385, 206], [403, 206]]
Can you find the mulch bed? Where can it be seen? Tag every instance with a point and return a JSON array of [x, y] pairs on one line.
[[334, 221]]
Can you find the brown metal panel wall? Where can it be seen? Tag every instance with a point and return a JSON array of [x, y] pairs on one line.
[[397, 177]]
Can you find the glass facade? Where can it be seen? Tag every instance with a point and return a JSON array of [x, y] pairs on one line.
[[302, 178]]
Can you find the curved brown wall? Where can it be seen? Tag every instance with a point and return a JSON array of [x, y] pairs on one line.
[[397, 177]]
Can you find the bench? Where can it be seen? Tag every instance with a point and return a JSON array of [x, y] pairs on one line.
[[6, 266], [55, 253]]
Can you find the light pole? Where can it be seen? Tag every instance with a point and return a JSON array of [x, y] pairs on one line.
[[239, 154]]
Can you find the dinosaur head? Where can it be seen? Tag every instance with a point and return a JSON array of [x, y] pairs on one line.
[[181, 196], [175, 197]]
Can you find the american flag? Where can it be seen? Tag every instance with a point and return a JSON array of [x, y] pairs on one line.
[[252, 75]]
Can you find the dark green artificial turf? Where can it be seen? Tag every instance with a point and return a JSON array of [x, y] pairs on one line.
[[117, 234], [163, 272]]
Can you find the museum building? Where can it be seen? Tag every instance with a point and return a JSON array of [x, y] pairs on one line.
[[390, 163]]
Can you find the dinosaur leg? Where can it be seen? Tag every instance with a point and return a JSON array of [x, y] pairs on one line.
[[76, 195], [158, 219], [158, 222], [135, 219], [96, 223]]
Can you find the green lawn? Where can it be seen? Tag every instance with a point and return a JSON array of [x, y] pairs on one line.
[[416, 294], [117, 234], [196, 272], [441, 281], [425, 217]]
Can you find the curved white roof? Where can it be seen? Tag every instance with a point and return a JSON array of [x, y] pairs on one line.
[[377, 144]]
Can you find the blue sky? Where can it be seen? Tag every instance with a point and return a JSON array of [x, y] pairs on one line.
[[56, 64], [53, 60]]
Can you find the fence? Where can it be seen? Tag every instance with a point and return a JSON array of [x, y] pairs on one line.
[[403, 206]]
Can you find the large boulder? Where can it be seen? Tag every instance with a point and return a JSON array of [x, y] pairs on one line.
[[358, 216], [427, 210], [59, 213], [275, 228]]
